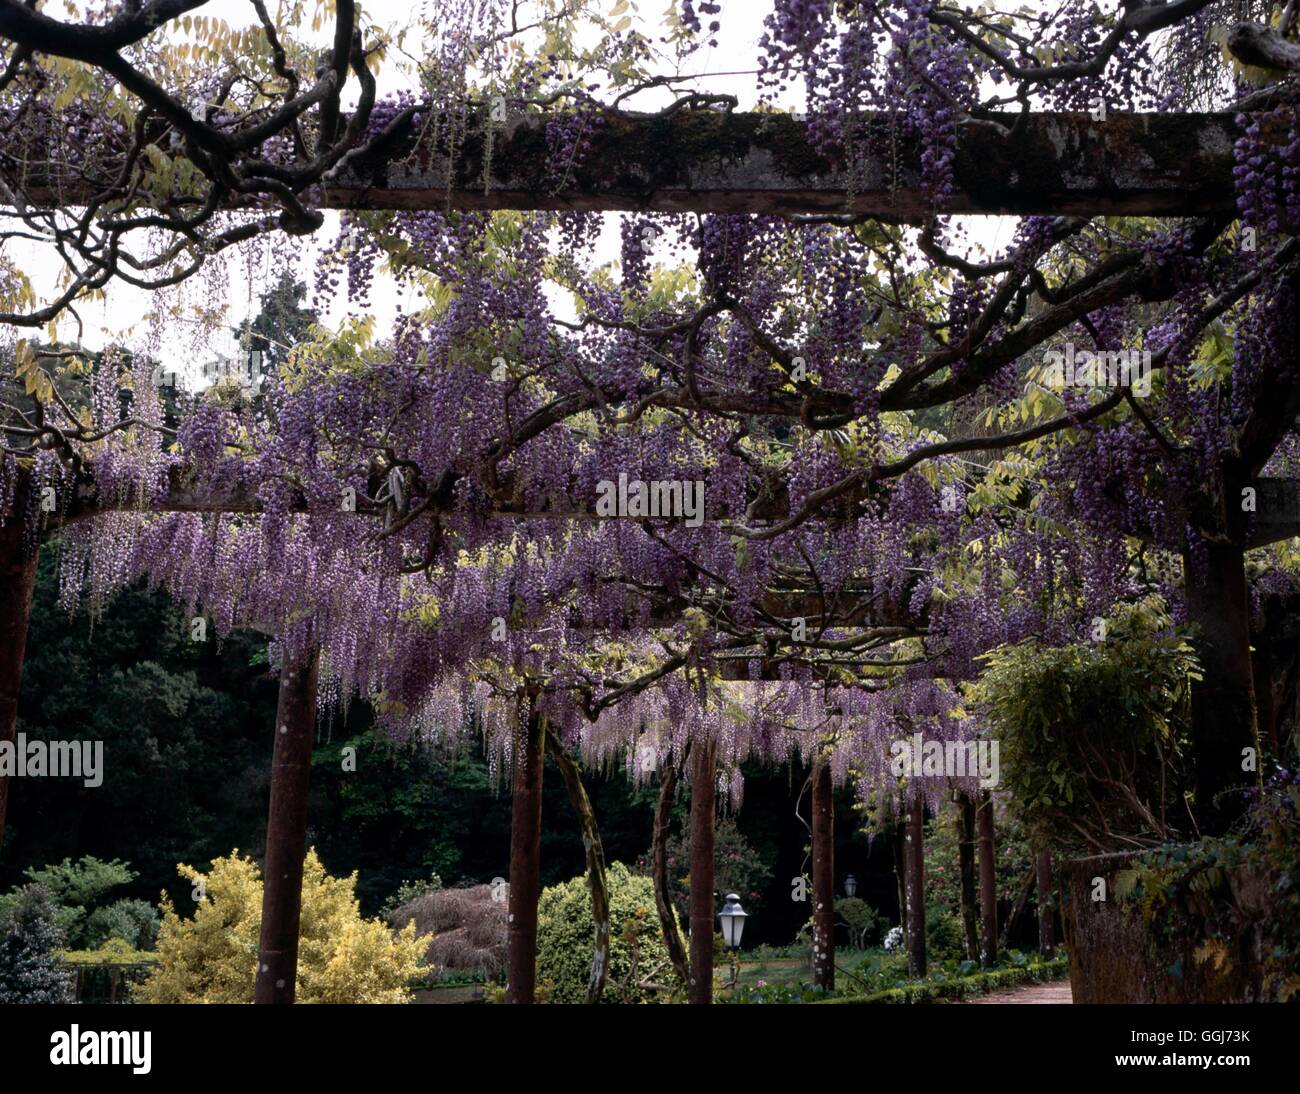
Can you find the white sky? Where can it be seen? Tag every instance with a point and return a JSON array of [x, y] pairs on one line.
[[184, 340]]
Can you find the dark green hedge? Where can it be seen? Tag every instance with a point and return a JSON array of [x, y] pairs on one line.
[[976, 984]]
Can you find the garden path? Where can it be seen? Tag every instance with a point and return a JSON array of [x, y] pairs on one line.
[[1056, 991]]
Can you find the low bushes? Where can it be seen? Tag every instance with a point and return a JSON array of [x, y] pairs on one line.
[[980, 983], [1094, 736], [945, 937], [342, 957], [467, 930], [78, 891], [762, 992], [31, 969], [864, 923], [566, 942], [111, 973]]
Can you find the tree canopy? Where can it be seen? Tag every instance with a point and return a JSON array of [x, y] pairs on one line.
[[913, 444]]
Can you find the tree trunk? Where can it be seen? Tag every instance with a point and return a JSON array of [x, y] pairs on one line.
[[1262, 672], [915, 854], [965, 818], [595, 865], [1046, 913], [1026, 887], [17, 580], [525, 858], [1223, 702], [659, 866], [823, 856], [703, 789], [286, 831], [900, 874], [988, 882], [1285, 663]]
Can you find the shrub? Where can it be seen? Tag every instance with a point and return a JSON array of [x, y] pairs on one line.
[[1011, 854], [72, 887], [737, 867], [945, 938], [860, 917], [111, 972], [407, 892], [566, 942], [942, 986], [465, 929], [1093, 736], [82, 882], [115, 951], [31, 970], [775, 993], [342, 958], [132, 921]]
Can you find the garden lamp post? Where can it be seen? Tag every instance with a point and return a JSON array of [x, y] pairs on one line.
[[733, 918], [850, 885]]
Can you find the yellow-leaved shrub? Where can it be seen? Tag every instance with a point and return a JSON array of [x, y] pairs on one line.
[[342, 957]]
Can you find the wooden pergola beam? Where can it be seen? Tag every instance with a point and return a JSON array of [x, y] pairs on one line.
[[1278, 516], [710, 161]]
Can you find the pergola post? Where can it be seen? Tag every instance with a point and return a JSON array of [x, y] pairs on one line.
[[988, 882], [914, 854], [286, 830], [1223, 700], [823, 858], [703, 792], [1046, 914], [966, 868], [525, 857], [17, 582], [899, 832]]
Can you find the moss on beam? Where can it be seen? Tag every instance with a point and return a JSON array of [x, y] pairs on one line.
[[710, 161]]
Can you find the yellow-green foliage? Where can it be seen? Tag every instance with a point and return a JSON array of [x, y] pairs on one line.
[[565, 939], [342, 958], [116, 951]]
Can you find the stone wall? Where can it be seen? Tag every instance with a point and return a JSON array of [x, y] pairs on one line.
[[1116, 958]]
